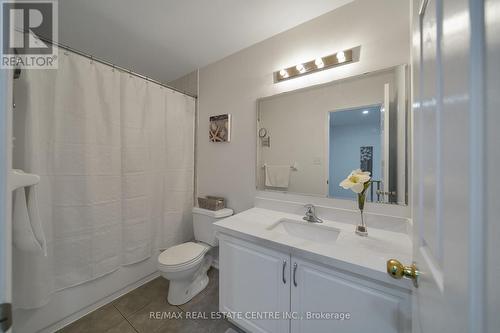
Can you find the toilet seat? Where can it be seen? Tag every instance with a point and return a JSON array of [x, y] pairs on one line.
[[182, 256]]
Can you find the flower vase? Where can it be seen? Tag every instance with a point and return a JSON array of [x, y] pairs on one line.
[[361, 228]]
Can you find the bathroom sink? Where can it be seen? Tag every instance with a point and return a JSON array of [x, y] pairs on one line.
[[314, 232]]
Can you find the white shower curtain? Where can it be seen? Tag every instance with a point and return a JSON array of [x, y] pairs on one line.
[[115, 156]]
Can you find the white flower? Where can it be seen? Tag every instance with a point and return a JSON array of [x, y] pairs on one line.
[[356, 181]]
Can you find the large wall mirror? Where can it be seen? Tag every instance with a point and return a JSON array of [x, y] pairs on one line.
[[310, 139]]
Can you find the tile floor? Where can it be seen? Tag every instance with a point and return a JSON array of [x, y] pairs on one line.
[[131, 312]]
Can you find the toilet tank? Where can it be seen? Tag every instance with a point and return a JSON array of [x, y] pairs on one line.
[[203, 220]]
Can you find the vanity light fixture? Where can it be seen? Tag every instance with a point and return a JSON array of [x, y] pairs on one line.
[[300, 68], [341, 57], [319, 64]]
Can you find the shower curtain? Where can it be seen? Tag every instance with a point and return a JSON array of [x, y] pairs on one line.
[[116, 156]]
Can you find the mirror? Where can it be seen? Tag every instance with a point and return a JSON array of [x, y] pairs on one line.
[[309, 140]]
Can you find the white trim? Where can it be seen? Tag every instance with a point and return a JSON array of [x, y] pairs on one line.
[[477, 126], [385, 140], [5, 193], [326, 163], [403, 132]]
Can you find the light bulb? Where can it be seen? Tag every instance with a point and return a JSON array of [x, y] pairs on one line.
[[319, 63], [366, 112], [300, 68], [284, 73], [340, 56]]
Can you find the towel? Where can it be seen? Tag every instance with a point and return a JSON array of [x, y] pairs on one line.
[[277, 175], [27, 229]]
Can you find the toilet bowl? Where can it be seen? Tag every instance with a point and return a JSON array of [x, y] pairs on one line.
[[186, 265]]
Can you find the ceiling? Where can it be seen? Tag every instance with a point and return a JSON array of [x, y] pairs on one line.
[[166, 39], [364, 116]]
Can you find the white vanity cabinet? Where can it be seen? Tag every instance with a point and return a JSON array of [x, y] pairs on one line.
[[321, 291], [254, 278]]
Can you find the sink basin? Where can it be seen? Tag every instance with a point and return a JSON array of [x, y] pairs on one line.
[[314, 232]]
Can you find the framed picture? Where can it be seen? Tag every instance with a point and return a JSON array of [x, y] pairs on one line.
[[220, 128], [366, 159]]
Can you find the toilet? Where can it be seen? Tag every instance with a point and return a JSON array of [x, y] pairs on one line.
[[186, 265]]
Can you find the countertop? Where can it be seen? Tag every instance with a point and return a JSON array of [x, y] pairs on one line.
[[365, 256]]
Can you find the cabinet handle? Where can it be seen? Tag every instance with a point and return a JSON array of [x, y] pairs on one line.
[[294, 274], [283, 272]]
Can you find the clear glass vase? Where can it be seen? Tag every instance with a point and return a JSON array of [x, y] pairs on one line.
[[361, 228]]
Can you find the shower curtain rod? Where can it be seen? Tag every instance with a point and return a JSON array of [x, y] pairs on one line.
[[123, 69]]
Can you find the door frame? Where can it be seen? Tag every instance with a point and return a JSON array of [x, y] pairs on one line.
[[6, 77]]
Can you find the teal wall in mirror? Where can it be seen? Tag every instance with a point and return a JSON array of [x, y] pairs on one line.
[[352, 132]]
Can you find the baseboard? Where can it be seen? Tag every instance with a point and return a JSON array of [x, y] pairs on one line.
[[74, 317]]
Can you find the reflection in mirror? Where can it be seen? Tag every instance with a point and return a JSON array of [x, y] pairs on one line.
[[355, 135], [311, 139]]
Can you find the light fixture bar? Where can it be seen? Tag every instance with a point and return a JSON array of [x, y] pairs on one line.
[[318, 64]]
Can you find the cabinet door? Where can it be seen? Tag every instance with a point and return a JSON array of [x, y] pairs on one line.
[[254, 280], [321, 291]]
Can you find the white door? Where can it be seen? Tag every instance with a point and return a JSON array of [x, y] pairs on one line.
[[448, 185], [254, 281], [5, 197], [492, 153], [353, 304]]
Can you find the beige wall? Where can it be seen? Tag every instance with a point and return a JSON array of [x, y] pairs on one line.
[[188, 83], [233, 85]]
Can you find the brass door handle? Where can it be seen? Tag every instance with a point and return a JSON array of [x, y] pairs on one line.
[[397, 271]]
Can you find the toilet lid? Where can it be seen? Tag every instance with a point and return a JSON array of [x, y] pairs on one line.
[[182, 253]]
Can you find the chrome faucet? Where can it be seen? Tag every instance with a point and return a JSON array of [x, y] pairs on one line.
[[311, 214]]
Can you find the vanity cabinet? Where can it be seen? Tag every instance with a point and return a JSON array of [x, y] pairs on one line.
[[355, 304], [254, 280], [308, 296]]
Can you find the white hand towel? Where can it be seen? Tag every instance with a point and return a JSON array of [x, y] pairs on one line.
[[27, 230], [277, 175]]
